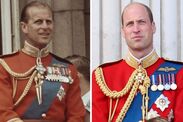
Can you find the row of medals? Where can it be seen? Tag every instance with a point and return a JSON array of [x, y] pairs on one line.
[[163, 82], [54, 73]]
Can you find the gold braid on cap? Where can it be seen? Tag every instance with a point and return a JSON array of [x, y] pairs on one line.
[[20, 76], [138, 80]]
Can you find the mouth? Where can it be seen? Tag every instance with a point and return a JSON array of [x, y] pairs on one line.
[[137, 38], [44, 34]]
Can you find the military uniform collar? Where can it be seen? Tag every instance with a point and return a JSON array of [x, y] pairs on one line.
[[146, 61], [35, 52]]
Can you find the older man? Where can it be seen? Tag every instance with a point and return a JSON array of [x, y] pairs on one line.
[[36, 85]]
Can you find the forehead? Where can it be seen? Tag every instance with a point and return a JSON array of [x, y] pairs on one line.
[[135, 11], [39, 12]]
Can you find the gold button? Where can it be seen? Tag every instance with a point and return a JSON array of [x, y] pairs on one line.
[[43, 115]]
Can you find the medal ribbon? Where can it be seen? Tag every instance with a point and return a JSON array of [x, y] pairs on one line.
[[49, 90], [134, 113]]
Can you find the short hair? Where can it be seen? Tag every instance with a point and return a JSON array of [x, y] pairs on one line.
[[24, 14], [146, 7], [82, 64]]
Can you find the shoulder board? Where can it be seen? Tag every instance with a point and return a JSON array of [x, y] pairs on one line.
[[173, 61], [9, 55], [110, 63], [60, 59]]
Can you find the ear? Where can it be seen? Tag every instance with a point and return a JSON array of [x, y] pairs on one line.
[[153, 27], [24, 27]]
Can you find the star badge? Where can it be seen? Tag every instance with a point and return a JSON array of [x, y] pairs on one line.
[[61, 93], [162, 102]]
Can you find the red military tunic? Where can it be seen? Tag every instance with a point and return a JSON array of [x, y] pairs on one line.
[[116, 75], [70, 108]]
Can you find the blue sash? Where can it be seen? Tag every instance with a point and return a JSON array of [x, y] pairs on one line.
[[134, 114], [49, 92]]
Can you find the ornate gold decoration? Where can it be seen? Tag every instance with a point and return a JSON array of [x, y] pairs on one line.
[[146, 62], [166, 69], [138, 80], [33, 51], [16, 76]]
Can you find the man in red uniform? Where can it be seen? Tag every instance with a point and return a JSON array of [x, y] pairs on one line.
[[143, 85], [36, 85]]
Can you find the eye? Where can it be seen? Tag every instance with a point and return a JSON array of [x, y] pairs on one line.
[[38, 22], [49, 22], [129, 24], [141, 21]]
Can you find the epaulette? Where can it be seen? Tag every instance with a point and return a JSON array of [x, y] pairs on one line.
[[10, 54], [60, 59], [173, 61], [110, 63]]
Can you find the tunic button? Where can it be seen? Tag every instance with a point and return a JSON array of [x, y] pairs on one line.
[[43, 115]]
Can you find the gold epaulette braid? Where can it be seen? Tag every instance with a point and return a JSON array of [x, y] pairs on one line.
[[14, 74], [27, 87], [128, 102], [105, 89], [20, 76], [138, 80]]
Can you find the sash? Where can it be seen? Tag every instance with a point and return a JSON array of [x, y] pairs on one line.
[[134, 114], [49, 92]]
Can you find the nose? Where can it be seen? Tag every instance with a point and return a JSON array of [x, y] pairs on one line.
[[136, 28], [44, 24]]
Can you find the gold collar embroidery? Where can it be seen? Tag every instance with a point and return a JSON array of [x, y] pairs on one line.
[[35, 52], [146, 62]]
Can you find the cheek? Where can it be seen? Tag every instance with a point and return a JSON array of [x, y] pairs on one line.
[[127, 35]]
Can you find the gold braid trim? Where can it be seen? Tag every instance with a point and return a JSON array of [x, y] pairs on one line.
[[14, 74], [138, 79], [27, 87], [128, 102], [105, 89], [14, 86]]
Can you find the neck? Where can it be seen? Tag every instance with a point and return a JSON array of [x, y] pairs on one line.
[[34, 51], [141, 54]]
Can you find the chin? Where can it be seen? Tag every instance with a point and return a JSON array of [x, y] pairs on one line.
[[45, 41]]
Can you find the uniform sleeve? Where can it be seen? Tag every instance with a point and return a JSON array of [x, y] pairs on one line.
[[179, 98], [99, 103], [6, 100], [75, 110]]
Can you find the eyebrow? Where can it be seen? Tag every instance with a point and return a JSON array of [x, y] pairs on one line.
[[132, 21]]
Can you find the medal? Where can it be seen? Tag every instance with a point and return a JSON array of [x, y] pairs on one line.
[[58, 74], [173, 85], [160, 86], [61, 93], [167, 86], [153, 86]]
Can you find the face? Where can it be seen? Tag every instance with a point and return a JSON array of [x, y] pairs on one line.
[[137, 28], [39, 27]]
